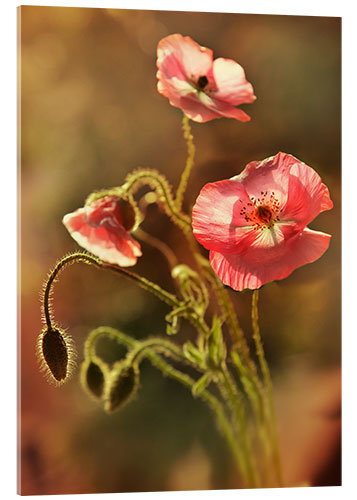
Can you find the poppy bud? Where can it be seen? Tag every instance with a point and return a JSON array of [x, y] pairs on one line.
[[56, 354], [93, 376], [122, 386]]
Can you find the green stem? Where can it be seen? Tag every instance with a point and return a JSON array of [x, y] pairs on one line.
[[230, 393], [269, 386], [217, 408], [159, 183], [189, 162], [239, 342], [221, 419], [60, 265], [121, 338], [156, 345], [148, 285]]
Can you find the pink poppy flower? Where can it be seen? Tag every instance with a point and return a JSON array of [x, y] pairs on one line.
[[254, 224], [202, 87], [102, 228]]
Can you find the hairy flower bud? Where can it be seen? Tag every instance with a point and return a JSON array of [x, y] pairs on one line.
[[56, 354], [122, 386], [93, 374]]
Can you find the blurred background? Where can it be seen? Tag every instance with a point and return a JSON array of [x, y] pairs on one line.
[[90, 113]]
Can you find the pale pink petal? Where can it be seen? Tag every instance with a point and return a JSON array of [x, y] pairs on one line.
[[216, 220], [232, 86], [255, 268], [224, 110], [185, 57], [97, 228], [196, 110], [308, 196], [271, 174], [181, 63], [201, 108]]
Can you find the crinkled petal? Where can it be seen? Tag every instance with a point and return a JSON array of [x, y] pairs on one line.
[[221, 108], [271, 174], [109, 241], [232, 86], [307, 195], [180, 56], [255, 268], [216, 219], [196, 110], [181, 62], [298, 187]]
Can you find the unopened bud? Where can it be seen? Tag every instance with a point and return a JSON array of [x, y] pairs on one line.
[[121, 388], [93, 376], [56, 354]]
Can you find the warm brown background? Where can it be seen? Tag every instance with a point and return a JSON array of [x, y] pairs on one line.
[[90, 113]]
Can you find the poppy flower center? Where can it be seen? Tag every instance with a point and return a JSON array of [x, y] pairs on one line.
[[202, 82], [261, 212], [264, 213]]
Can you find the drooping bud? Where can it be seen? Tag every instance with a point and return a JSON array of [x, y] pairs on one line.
[[93, 373], [56, 354], [121, 388]]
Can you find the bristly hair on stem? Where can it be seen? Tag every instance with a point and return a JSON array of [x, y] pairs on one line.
[[189, 161]]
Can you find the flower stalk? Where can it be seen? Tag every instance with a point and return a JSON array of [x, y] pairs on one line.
[[269, 402], [189, 162]]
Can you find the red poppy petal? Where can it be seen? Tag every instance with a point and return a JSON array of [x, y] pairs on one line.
[[232, 86], [254, 269], [307, 197], [191, 58], [106, 238], [216, 219]]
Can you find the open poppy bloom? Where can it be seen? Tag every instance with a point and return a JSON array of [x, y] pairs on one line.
[[254, 224], [102, 228], [202, 87]]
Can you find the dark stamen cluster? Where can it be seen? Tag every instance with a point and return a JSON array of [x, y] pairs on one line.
[[261, 212], [202, 82]]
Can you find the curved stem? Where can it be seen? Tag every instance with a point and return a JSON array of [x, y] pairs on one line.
[[60, 265], [155, 345], [189, 162], [159, 183], [217, 408], [222, 421], [122, 338], [148, 285], [268, 383]]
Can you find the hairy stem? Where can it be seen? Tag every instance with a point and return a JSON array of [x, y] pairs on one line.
[[148, 285], [60, 265], [269, 386], [159, 183], [142, 348], [230, 393], [189, 162], [222, 421]]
